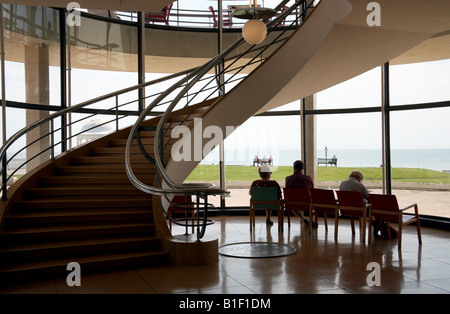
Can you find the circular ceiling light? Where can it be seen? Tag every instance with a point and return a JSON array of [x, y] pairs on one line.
[[254, 31]]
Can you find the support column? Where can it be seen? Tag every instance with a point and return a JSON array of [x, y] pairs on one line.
[[141, 59], [386, 145], [37, 92], [309, 151], [220, 82]]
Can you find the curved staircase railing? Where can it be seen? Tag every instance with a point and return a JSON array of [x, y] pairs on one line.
[[111, 105], [164, 186]]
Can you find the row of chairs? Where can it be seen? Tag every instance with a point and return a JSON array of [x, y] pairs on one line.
[[323, 201]]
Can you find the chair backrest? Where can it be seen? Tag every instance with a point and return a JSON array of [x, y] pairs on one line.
[[184, 202], [213, 14], [265, 197], [167, 11], [323, 197], [384, 207], [351, 199], [297, 198]]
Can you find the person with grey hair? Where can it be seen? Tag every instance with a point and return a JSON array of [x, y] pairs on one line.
[[354, 184]]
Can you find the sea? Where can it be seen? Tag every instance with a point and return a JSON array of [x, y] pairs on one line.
[[433, 159]]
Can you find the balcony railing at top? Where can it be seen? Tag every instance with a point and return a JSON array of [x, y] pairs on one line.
[[179, 17]]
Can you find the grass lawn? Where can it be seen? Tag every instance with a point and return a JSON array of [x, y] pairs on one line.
[[249, 173]]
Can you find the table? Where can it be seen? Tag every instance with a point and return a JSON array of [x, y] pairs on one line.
[[249, 13]]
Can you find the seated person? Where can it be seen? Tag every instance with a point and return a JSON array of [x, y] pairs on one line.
[[265, 172], [354, 184], [300, 180]]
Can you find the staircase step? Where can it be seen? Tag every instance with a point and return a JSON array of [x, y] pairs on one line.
[[82, 203], [91, 180], [58, 268], [120, 150], [147, 141], [42, 251], [71, 217], [102, 160], [108, 169], [86, 231], [80, 191]]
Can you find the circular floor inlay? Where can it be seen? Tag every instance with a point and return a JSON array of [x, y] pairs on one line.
[[256, 250]]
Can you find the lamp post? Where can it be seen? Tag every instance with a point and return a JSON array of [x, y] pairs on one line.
[[326, 158]]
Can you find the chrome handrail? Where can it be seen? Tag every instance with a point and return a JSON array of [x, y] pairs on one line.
[[165, 186]]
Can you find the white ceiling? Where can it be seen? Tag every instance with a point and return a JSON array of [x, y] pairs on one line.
[[119, 5]]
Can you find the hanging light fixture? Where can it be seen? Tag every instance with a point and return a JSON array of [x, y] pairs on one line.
[[254, 31]]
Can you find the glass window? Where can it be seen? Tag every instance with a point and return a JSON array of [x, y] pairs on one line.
[[420, 82], [32, 54], [33, 76], [361, 91], [271, 138], [355, 140], [420, 158], [419, 151]]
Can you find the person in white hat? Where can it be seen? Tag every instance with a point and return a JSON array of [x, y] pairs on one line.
[[265, 173]]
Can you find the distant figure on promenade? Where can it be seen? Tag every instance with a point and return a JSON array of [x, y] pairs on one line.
[[256, 161], [265, 172], [354, 184], [300, 180]]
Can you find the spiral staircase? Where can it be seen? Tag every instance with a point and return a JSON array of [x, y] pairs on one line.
[[103, 204]]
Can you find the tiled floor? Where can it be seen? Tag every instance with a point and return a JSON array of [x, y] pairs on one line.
[[321, 265]]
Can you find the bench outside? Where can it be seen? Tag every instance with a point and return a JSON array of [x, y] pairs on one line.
[[325, 161]]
